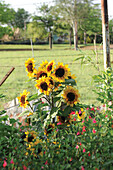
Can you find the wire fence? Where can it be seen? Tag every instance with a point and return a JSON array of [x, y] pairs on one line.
[[21, 82]]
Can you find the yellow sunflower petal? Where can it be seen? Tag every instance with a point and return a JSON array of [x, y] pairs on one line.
[[60, 73], [43, 84], [71, 96], [23, 99]]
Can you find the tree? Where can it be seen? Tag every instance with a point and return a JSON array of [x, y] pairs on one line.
[[5, 16], [35, 31], [111, 30], [91, 24], [46, 20], [73, 11], [21, 18], [62, 28]]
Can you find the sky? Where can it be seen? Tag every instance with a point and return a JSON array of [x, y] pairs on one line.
[[30, 5]]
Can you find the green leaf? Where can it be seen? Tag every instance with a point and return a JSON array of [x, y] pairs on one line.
[[54, 109], [35, 103], [35, 96], [1, 95], [2, 112], [79, 58], [23, 113], [4, 118], [69, 81], [12, 121], [67, 110], [56, 93], [56, 99]]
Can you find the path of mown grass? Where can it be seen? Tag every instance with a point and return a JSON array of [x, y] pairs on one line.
[[18, 80]]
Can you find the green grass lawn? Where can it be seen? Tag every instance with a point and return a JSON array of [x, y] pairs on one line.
[[18, 80]]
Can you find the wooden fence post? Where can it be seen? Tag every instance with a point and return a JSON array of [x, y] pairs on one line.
[[6, 76]]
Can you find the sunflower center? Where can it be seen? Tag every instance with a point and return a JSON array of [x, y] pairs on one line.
[[51, 82], [44, 86], [62, 118], [69, 77], [23, 99], [30, 138], [71, 96], [30, 67], [60, 72], [43, 74], [39, 150], [49, 68], [80, 114]]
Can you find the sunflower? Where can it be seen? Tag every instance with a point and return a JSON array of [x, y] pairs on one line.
[[50, 66], [52, 83], [71, 95], [43, 84], [30, 136], [64, 119], [49, 129], [81, 114], [23, 99], [71, 76], [61, 72], [43, 65], [32, 140], [29, 64], [40, 73]]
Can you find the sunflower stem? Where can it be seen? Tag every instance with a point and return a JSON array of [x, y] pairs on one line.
[[31, 107]]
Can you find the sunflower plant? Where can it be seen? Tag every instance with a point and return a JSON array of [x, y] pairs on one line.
[[56, 88], [61, 133]]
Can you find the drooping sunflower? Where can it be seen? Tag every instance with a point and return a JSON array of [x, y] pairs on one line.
[[64, 119], [40, 73], [71, 95], [31, 141], [81, 114], [50, 66], [49, 129], [43, 84], [61, 72], [30, 66], [23, 99], [30, 136], [43, 65], [28, 118]]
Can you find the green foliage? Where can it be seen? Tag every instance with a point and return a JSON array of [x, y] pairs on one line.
[[45, 18], [5, 31], [36, 31], [105, 87], [21, 18], [6, 16]]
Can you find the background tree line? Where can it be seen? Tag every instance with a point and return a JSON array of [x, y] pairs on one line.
[[76, 20]]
